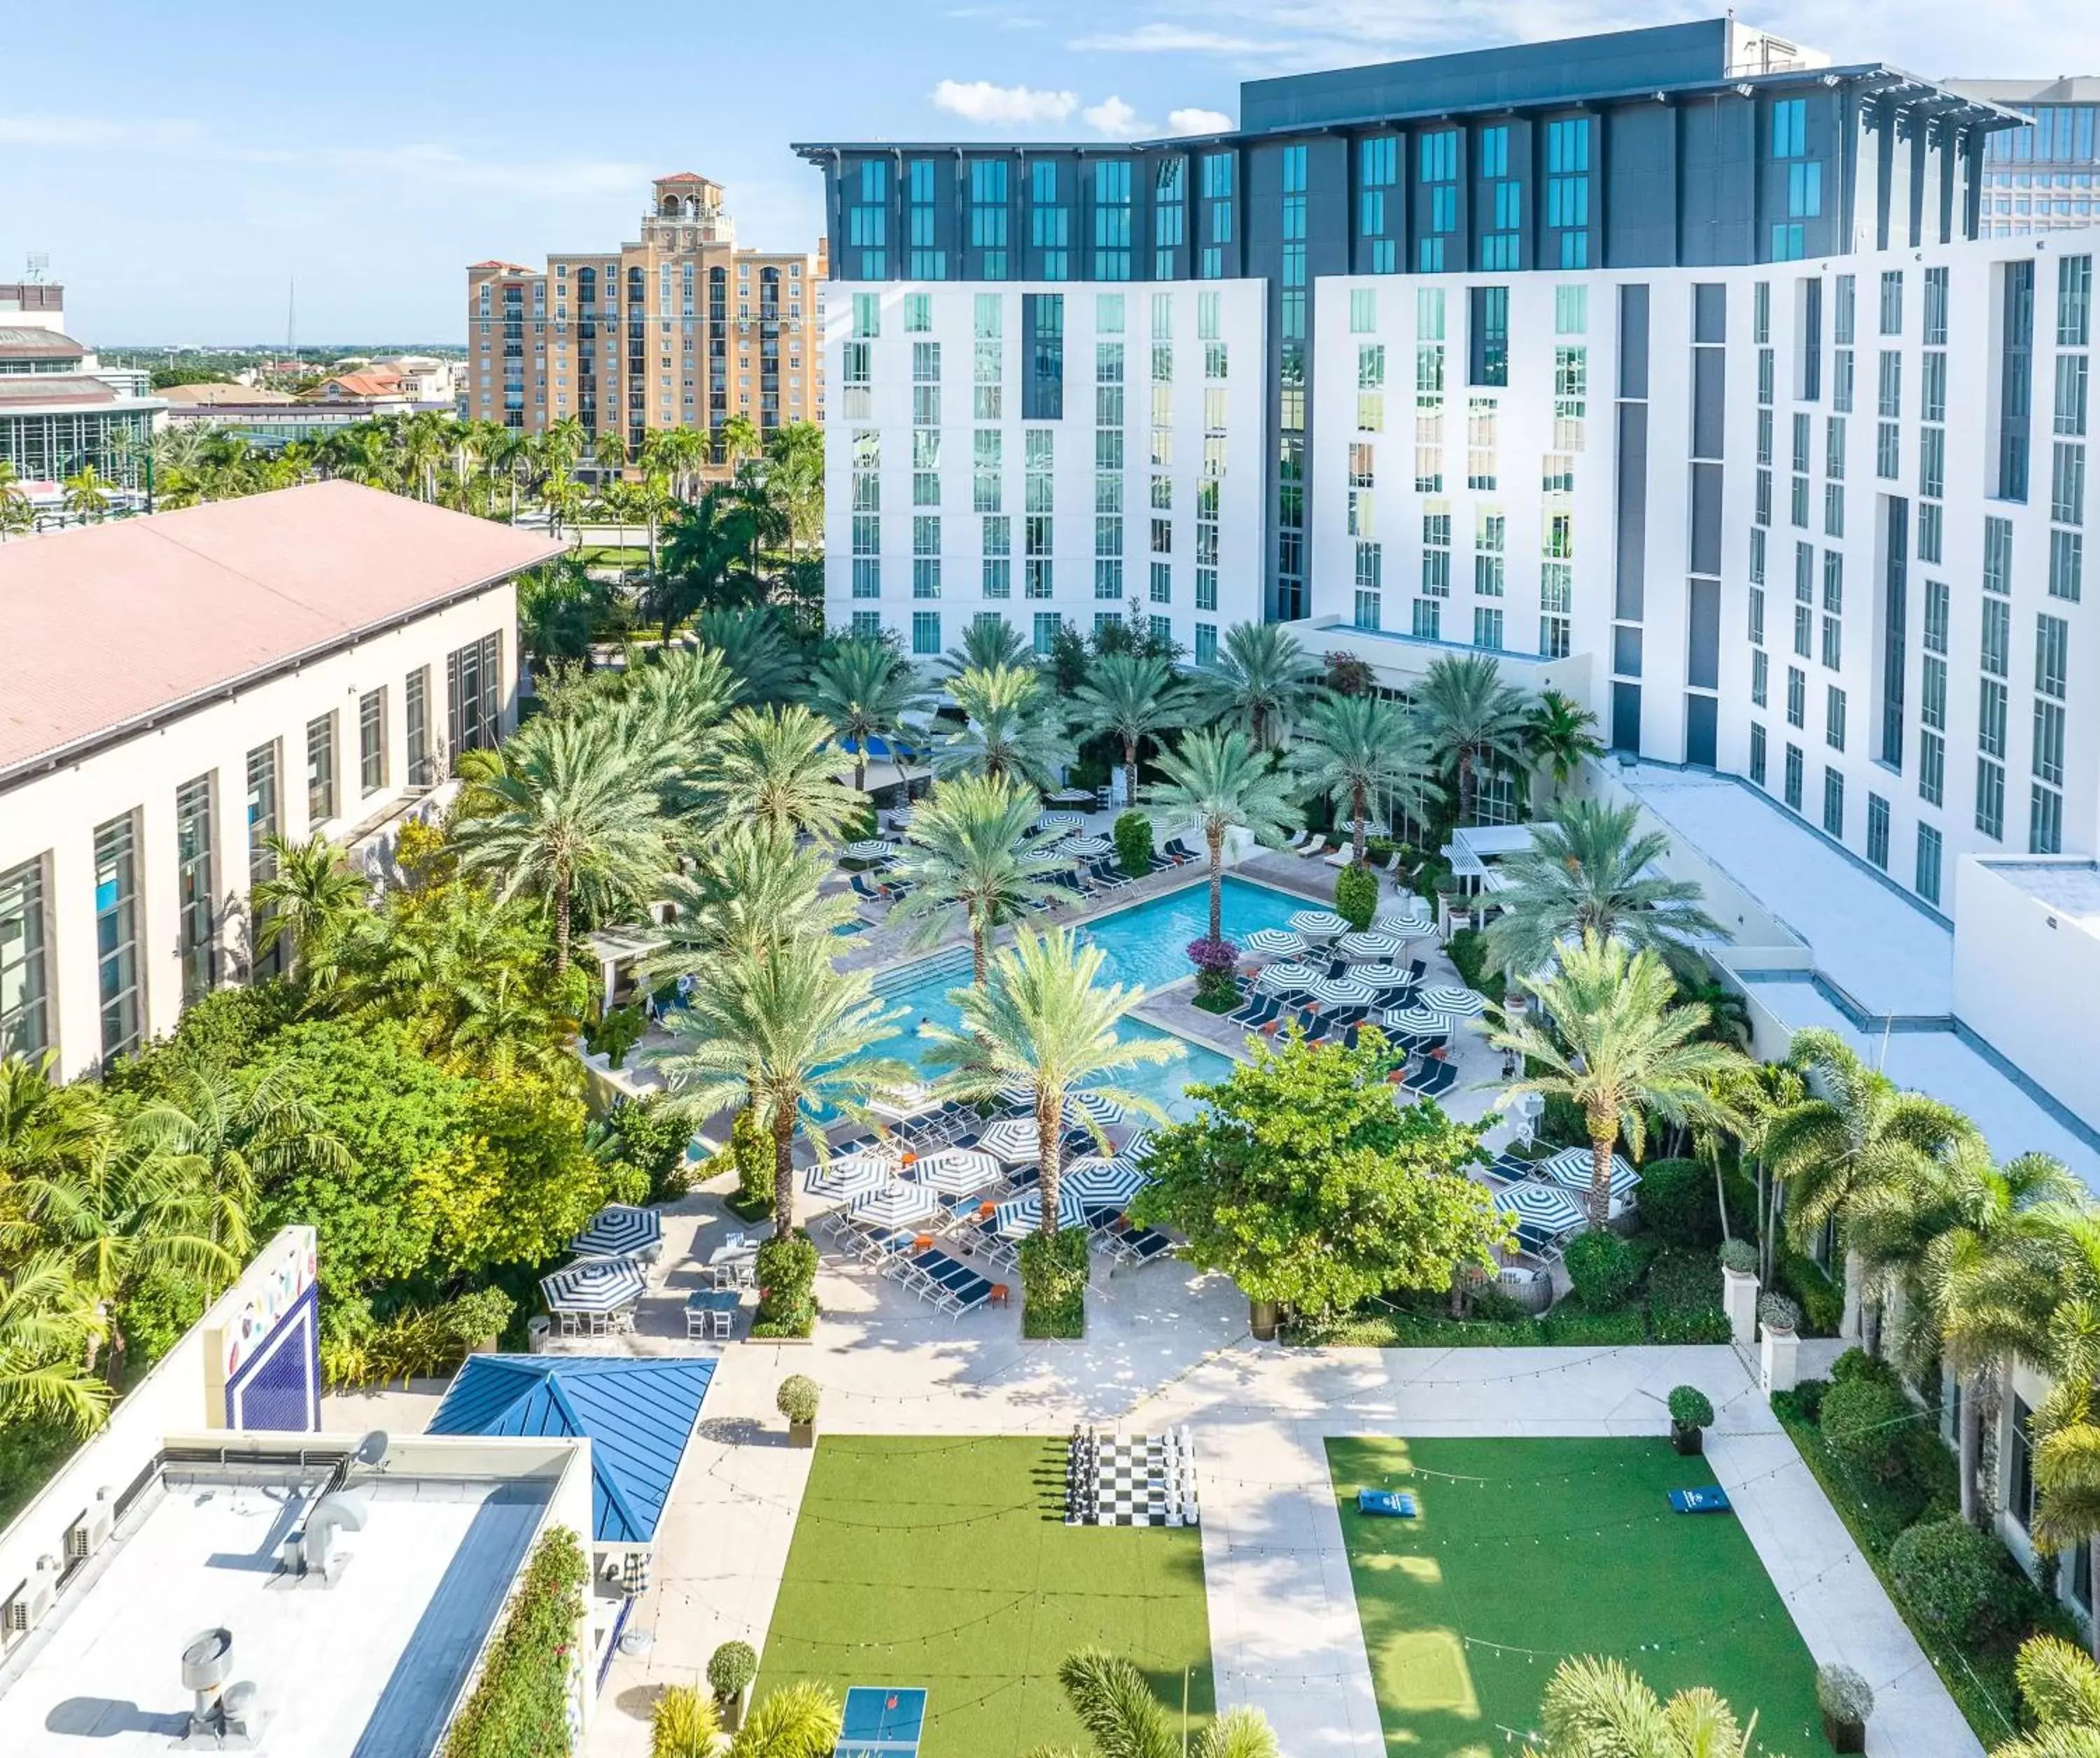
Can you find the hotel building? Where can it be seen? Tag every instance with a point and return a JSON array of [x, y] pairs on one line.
[[2045, 176], [60, 408], [683, 327]]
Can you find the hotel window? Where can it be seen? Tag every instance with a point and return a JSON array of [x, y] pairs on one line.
[[116, 934], [1218, 177], [1833, 804], [196, 939], [1790, 786], [926, 633], [926, 555], [1048, 625], [1112, 220], [1488, 335], [927, 261], [1049, 223], [1929, 847], [372, 741], [1437, 163], [262, 825], [988, 216], [1877, 830], [1757, 754], [867, 211], [2019, 1477], [25, 1022], [1170, 184], [321, 769], [1379, 218], [474, 694], [998, 581], [1502, 232], [1568, 190]]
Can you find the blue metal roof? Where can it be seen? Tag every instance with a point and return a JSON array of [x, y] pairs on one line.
[[638, 1415]]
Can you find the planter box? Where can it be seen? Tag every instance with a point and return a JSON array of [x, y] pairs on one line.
[[1689, 1441], [801, 1435], [1263, 1318], [733, 1710]]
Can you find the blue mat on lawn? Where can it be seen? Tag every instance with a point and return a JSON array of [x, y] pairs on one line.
[[1713, 1500], [1390, 1503]]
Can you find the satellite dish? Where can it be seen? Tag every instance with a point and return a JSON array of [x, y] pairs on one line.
[[372, 1448]]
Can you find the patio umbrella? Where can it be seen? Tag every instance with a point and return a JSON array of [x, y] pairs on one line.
[[1418, 1018], [1380, 975], [1059, 821], [1020, 1216], [1448, 998], [1279, 977], [594, 1284], [906, 1101], [1072, 796], [846, 1176], [1011, 1139], [1343, 991], [1320, 924], [1276, 942], [1102, 1184], [958, 1171], [895, 1203], [1408, 918], [1571, 1169], [872, 849], [1368, 943], [1093, 1104], [617, 1230], [1086, 848], [1541, 1205], [1353, 824]]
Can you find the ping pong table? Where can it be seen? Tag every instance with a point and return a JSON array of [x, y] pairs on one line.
[[881, 1722]]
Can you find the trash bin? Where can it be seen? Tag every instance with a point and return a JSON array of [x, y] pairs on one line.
[[536, 1330]]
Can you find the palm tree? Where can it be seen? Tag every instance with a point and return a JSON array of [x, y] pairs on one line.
[[797, 1720], [1220, 779], [1619, 1049], [16, 514], [752, 646], [1474, 720], [1559, 733], [571, 817], [989, 644], [865, 690], [1854, 1139], [1010, 729], [1132, 698], [966, 850], [87, 493], [310, 898], [44, 1125], [790, 1033], [1045, 1021], [736, 439], [1590, 869], [751, 886], [778, 766], [1124, 1719], [47, 1327], [1261, 678], [1356, 749], [2059, 1686], [1598, 1709]]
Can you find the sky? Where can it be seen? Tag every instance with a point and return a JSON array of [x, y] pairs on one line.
[[188, 164]]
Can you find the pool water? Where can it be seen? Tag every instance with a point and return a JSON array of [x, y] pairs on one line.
[[1145, 946]]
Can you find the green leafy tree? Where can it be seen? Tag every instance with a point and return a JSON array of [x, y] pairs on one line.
[[1474, 719], [1221, 779], [966, 853], [1132, 698], [1124, 1719], [779, 767], [865, 690], [1560, 734], [751, 886], [47, 1329], [1618, 1050], [1358, 750], [1303, 1181], [989, 644], [1590, 870], [1599, 1709], [1010, 729], [1262, 677], [310, 901]]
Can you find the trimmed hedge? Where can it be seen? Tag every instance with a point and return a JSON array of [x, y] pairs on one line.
[[1356, 896], [1821, 1298], [1603, 1268], [786, 1287], [1053, 1284], [1677, 1202], [1133, 843], [1684, 1298], [520, 1705], [1960, 1583]]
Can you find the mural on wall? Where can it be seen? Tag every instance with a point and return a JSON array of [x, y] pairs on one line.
[[274, 1287]]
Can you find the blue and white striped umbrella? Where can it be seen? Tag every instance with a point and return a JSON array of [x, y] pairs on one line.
[[957, 1171], [1020, 1216], [1086, 848], [1102, 1184], [1019, 1094], [1276, 978], [1572, 1168], [1408, 918], [895, 1203], [1013, 1139], [1368, 943], [1320, 924], [1418, 1018], [873, 848], [1342, 991], [1450, 998], [1276, 942], [1059, 821], [846, 1176], [1380, 975], [617, 1230], [1082, 1104], [1541, 1205], [594, 1284], [1133, 1150]]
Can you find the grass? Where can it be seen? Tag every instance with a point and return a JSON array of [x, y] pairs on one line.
[[1528, 1551], [945, 1561]]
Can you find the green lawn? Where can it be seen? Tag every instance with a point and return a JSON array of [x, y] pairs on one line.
[[945, 1561], [1527, 1551]]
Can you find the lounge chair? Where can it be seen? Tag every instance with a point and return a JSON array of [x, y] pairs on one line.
[[1254, 1017], [1178, 852], [1436, 1079], [868, 893], [1316, 846], [1318, 1030], [1296, 843], [1143, 1246]]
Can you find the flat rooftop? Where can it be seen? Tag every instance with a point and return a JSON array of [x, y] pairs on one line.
[[2070, 888], [1889, 954], [367, 1668]]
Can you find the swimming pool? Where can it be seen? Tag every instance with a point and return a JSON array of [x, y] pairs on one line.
[[1145, 944]]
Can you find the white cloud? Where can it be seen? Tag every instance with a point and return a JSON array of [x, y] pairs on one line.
[[1117, 120], [979, 100], [1197, 123], [1171, 39]]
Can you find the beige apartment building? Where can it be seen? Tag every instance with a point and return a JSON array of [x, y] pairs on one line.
[[682, 329]]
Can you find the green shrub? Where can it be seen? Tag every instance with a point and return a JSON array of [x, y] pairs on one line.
[[1738, 1255], [1865, 1422], [1469, 955], [1822, 1298], [1677, 1202], [797, 1400], [652, 1140], [1378, 847], [1690, 1408], [1857, 1364], [1603, 1268], [1561, 1123], [520, 1705], [1843, 1693], [1215, 991], [733, 1666], [1959, 1582], [1053, 1284], [1357, 895], [683, 1724], [1133, 843], [1684, 1298], [1572, 1324], [750, 1155], [786, 1287], [614, 1035], [1806, 1397]]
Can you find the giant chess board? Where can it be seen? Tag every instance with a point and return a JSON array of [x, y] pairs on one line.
[[1117, 1479]]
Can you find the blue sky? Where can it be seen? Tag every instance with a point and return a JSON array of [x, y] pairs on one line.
[[180, 163]]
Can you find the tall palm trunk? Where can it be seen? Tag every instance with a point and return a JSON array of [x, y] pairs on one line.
[[1969, 1430], [562, 922], [978, 928], [1130, 771], [1214, 841], [1050, 1149], [1466, 785], [783, 1170], [1357, 836], [1603, 1132]]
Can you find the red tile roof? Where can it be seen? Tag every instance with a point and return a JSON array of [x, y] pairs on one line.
[[116, 623]]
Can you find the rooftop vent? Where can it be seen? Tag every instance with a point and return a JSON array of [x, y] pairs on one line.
[[224, 1717]]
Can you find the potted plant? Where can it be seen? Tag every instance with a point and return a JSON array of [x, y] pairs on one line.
[[730, 1673], [1738, 1256], [1779, 1315], [796, 1400], [1690, 1413], [1846, 1700]]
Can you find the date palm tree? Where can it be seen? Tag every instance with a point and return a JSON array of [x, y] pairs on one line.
[[1261, 678], [1133, 697], [752, 885], [1599, 1709], [865, 690], [1010, 728], [797, 1720], [1043, 1020], [47, 1328], [1124, 1719], [570, 818], [87, 493], [1559, 733], [1221, 779], [1618, 1049], [966, 852], [1591, 869], [989, 644], [792, 1036], [750, 641], [778, 766], [310, 900], [1474, 720], [2060, 1688], [1356, 749]]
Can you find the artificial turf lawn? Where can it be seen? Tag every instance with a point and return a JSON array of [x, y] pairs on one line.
[[1531, 1550], [944, 1561]]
